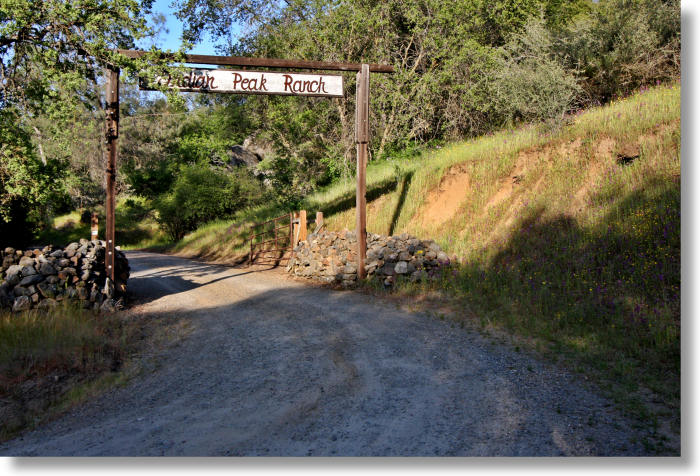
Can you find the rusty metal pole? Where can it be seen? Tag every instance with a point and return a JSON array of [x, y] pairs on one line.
[[362, 140], [112, 134]]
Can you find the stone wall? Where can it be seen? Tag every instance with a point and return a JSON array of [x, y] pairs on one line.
[[331, 257], [43, 277]]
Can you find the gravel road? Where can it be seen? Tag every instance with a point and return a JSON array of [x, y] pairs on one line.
[[274, 367]]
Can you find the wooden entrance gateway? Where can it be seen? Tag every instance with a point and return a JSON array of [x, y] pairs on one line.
[[252, 82]]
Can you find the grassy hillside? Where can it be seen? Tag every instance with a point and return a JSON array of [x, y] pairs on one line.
[[567, 238]]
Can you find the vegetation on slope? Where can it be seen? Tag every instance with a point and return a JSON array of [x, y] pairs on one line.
[[464, 68], [567, 237]]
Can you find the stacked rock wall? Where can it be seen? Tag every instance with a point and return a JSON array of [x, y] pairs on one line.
[[43, 277], [331, 257]]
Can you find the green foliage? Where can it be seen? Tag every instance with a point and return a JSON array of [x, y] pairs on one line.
[[52, 55], [622, 45], [206, 135], [528, 83], [463, 68], [200, 195], [502, 18], [52, 50], [150, 179], [28, 188], [285, 178]]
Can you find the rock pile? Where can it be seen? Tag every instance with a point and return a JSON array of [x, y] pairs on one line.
[[43, 277], [330, 257]]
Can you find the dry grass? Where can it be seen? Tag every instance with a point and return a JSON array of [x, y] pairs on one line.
[[52, 360]]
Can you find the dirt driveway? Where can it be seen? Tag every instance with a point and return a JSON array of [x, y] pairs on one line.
[[275, 367]]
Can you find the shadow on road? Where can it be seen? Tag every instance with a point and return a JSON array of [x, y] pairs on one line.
[[295, 371], [153, 278]]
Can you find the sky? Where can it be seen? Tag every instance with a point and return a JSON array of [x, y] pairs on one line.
[[172, 39]]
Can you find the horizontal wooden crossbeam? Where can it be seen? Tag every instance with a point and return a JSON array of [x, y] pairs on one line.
[[269, 62]]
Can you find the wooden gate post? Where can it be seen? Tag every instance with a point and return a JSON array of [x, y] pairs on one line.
[[94, 227], [111, 136], [362, 140], [302, 225]]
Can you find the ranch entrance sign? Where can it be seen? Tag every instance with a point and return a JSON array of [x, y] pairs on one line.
[[251, 82]]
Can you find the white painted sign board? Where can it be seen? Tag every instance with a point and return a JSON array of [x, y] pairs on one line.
[[253, 82]]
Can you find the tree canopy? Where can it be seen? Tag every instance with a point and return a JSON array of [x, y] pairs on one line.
[[463, 68]]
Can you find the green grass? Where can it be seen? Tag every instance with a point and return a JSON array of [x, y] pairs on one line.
[[581, 256], [66, 229], [136, 227]]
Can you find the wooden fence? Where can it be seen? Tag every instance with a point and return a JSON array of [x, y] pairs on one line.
[[272, 242]]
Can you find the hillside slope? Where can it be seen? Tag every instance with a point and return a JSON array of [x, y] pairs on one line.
[[569, 237]]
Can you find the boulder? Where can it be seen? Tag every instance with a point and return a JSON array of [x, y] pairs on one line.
[[28, 271], [47, 269], [22, 303], [21, 291], [13, 270], [47, 290], [110, 306], [350, 268], [388, 269], [26, 261], [240, 156], [47, 303], [83, 293], [30, 280], [401, 267]]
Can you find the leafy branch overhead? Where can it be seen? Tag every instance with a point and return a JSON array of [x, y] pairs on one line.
[[51, 49], [52, 56]]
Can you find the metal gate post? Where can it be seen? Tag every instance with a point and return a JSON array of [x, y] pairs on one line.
[[111, 136], [362, 139]]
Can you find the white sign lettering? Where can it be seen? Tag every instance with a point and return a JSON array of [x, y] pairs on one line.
[[252, 82]]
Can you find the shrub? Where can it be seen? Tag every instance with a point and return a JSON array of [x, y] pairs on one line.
[[200, 195], [86, 217], [625, 44], [529, 83]]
